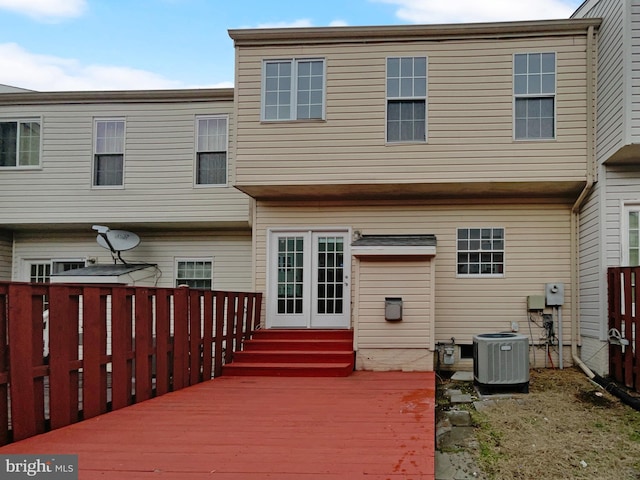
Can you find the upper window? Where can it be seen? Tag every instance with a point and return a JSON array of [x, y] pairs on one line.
[[108, 167], [534, 88], [293, 89], [480, 251], [196, 273], [211, 155], [40, 272], [20, 143], [406, 99]]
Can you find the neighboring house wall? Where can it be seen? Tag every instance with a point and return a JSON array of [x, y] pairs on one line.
[[618, 114], [230, 253], [159, 162], [6, 253]]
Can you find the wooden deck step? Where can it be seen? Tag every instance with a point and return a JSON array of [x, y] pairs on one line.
[[295, 353]]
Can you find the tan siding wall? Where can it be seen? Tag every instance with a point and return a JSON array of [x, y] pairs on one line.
[[470, 105], [230, 251], [159, 168], [6, 255], [410, 279], [537, 251]]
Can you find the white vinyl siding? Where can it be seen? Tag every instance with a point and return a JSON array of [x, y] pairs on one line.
[[212, 147], [108, 166], [230, 252], [293, 89], [6, 256], [634, 59], [160, 152], [539, 239], [20, 143]]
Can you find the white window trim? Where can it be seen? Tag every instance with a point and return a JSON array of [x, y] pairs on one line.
[[425, 98], [294, 91], [26, 120], [626, 207], [93, 153], [28, 262], [483, 275], [177, 260], [545, 95], [195, 155]]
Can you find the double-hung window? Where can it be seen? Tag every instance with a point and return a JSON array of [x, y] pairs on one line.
[[194, 272], [534, 89], [293, 89], [480, 251], [406, 99], [20, 143], [108, 165], [212, 146]]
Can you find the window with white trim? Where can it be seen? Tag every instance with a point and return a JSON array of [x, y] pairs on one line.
[[480, 251], [20, 143], [41, 271], [196, 273], [211, 150], [108, 165], [534, 90], [631, 236], [293, 89], [406, 99]]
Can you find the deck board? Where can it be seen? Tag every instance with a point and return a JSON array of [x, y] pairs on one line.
[[373, 425]]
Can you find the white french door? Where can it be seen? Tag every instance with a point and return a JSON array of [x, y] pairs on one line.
[[309, 279]]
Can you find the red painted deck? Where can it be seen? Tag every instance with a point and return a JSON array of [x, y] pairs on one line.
[[373, 425]]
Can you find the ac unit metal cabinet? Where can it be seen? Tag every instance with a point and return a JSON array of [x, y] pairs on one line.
[[501, 362]]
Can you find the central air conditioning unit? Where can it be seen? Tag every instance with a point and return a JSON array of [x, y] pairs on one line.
[[501, 362]]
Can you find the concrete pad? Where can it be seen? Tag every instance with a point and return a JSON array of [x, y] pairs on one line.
[[462, 376], [462, 398]]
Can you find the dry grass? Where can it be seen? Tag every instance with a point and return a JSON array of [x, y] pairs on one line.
[[565, 428]]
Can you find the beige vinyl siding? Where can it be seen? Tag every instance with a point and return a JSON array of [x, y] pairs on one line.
[[469, 119], [6, 255], [159, 168], [409, 279], [537, 251], [229, 251]]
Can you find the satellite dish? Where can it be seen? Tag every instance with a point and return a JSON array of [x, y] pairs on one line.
[[118, 240]]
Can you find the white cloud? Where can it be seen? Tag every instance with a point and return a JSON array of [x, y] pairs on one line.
[[48, 10], [24, 69], [338, 23], [303, 22], [454, 11]]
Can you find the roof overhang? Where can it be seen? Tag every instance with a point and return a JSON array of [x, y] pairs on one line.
[[627, 155], [394, 245], [395, 33], [121, 274]]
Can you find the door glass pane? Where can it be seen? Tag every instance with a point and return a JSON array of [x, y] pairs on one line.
[[330, 265], [290, 275]]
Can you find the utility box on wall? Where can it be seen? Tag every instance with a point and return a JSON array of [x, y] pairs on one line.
[[393, 309]]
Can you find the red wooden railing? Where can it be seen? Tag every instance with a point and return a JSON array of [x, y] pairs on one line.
[[110, 347], [624, 322]]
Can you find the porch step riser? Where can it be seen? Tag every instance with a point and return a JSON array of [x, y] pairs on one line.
[[266, 356], [299, 345], [295, 353], [290, 370], [346, 335]]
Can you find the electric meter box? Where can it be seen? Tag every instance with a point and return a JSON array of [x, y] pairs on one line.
[[555, 294]]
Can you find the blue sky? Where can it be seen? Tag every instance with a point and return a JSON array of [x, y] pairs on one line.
[[54, 45]]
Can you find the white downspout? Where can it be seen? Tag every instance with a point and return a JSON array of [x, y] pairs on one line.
[[575, 211]]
